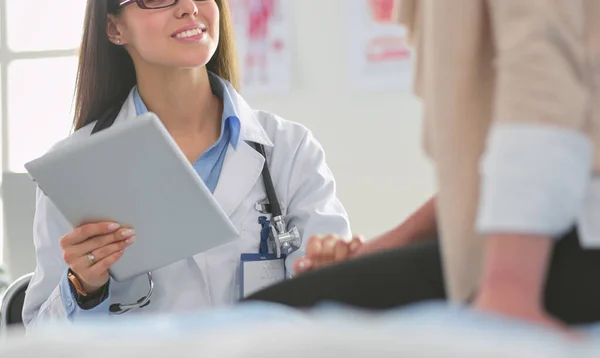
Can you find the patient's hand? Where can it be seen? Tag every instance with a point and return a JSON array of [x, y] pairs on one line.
[[325, 250]]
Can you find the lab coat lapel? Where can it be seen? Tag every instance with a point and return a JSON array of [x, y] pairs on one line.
[[243, 165], [127, 110], [241, 170]]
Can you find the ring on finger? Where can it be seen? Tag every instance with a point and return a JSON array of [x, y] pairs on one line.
[[91, 258]]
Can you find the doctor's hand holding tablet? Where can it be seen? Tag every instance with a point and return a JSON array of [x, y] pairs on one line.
[[221, 197], [91, 249]]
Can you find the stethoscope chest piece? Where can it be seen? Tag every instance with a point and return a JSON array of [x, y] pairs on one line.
[[282, 241]]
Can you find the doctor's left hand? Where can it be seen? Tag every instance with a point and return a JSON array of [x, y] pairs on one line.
[[91, 249], [324, 250]]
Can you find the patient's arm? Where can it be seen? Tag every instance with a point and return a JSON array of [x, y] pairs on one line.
[[538, 160], [421, 225], [514, 276]]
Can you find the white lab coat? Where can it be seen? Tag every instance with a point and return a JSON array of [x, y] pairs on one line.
[[304, 184]]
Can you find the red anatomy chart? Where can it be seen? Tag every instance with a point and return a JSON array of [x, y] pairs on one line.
[[259, 14], [382, 10], [261, 34], [385, 47], [378, 53]]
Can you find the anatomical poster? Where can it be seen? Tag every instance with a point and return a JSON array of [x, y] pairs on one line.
[[379, 56], [262, 29]]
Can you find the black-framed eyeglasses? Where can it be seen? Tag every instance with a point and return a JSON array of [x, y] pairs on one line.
[[151, 4]]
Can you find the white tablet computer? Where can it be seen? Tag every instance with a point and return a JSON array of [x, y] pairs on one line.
[[133, 173]]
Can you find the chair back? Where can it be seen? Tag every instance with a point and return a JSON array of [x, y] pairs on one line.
[[12, 302], [18, 203]]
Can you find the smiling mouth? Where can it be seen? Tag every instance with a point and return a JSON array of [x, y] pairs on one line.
[[189, 33]]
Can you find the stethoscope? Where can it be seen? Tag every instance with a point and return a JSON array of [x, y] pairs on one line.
[[281, 241]]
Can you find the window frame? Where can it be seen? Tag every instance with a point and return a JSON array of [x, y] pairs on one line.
[[7, 56]]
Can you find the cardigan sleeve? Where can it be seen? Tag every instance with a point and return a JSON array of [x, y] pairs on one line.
[[537, 163]]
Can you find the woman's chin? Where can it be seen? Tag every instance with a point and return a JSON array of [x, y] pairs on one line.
[[186, 64], [192, 62]]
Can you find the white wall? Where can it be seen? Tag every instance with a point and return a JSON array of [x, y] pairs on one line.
[[372, 139]]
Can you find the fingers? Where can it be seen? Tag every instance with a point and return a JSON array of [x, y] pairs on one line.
[[329, 249], [124, 236], [321, 247], [82, 263], [104, 257], [96, 275], [313, 247], [73, 253], [84, 232], [324, 250], [355, 244], [105, 245], [340, 250], [105, 251], [100, 267]]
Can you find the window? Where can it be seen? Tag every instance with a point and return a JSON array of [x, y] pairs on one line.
[[40, 98], [38, 64], [43, 25]]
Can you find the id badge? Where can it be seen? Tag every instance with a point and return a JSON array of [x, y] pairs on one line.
[[260, 271]]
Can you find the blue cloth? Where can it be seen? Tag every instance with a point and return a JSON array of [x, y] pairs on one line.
[[208, 167], [72, 309], [458, 329]]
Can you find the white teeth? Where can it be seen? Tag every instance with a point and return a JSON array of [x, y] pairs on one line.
[[188, 33]]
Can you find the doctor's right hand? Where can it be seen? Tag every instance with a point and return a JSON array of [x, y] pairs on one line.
[[91, 249]]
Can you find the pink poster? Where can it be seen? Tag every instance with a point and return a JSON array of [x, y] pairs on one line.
[[263, 41], [379, 56]]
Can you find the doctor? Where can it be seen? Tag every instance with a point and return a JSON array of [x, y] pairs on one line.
[[176, 59]]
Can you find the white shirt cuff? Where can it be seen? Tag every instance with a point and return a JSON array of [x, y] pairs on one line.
[[533, 180]]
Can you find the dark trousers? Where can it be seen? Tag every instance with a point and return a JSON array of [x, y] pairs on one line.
[[413, 273]]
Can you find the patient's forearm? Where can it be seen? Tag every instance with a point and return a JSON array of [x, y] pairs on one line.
[[421, 225], [515, 267]]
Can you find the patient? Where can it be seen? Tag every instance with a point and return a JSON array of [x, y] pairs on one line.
[[508, 92]]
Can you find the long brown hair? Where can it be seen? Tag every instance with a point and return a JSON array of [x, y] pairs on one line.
[[106, 75]]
